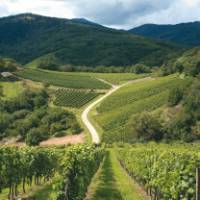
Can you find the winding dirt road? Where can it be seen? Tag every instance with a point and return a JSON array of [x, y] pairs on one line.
[[84, 116]]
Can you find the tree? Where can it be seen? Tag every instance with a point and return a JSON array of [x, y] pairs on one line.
[[140, 68], [192, 69], [180, 127], [146, 127], [192, 100]]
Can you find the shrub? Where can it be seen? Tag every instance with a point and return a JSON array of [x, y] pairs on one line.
[[180, 127], [175, 96], [140, 68], [76, 129], [146, 127], [192, 100], [35, 136]]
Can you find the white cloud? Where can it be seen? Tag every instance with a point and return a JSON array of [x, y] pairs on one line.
[[113, 13], [44, 7]]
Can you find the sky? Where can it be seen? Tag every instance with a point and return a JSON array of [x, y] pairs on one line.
[[122, 14]]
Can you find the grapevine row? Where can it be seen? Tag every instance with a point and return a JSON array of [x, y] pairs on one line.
[[67, 80], [73, 98], [74, 166], [166, 172]]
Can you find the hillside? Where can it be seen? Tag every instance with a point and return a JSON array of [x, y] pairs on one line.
[[184, 34], [51, 42], [189, 62], [132, 99]]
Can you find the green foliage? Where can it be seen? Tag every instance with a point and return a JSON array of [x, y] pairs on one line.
[[116, 78], [192, 99], [29, 118], [11, 89], [147, 95], [146, 127], [8, 65], [165, 171], [186, 34], [63, 79], [73, 98], [74, 166], [1, 91], [78, 169], [189, 62], [140, 69], [180, 127], [175, 96], [182, 119], [34, 137], [78, 44], [22, 165]]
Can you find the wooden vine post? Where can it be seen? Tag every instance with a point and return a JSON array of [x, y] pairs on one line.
[[198, 184]]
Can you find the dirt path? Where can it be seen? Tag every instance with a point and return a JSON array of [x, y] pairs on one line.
[[84, 116], [73, 139]]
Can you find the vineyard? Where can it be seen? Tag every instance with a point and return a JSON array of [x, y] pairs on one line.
[[116, 78], [73, 98], [75, 166], [166, 171], [72, 80], [146, 95]]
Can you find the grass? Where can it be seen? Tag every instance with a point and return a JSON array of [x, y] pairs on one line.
[[112, 182], [46, 192], [11, 89], [147, 95], [36, 191], [116, 78], [72, 80], [73, 98]]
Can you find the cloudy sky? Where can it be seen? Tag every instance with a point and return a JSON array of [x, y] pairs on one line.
[[113, 13]]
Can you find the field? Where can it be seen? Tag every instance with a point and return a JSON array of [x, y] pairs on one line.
[[11, 89], [115, 111], [62, 79], [116, 78], [73, 98]]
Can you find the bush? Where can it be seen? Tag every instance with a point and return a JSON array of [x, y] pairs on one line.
[[146, 127], [175, 96], [140, 68], [35, 136], [76, 129], [192, 100], [180, 127]]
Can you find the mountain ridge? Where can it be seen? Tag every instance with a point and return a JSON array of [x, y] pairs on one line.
[[183, 33], [78, 44]]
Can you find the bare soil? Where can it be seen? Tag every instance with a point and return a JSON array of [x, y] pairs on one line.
[[72, 139]]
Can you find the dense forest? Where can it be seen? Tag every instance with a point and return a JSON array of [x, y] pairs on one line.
[[54, 42]]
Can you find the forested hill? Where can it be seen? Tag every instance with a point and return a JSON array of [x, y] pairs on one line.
[[29, 37], [184, 33]]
